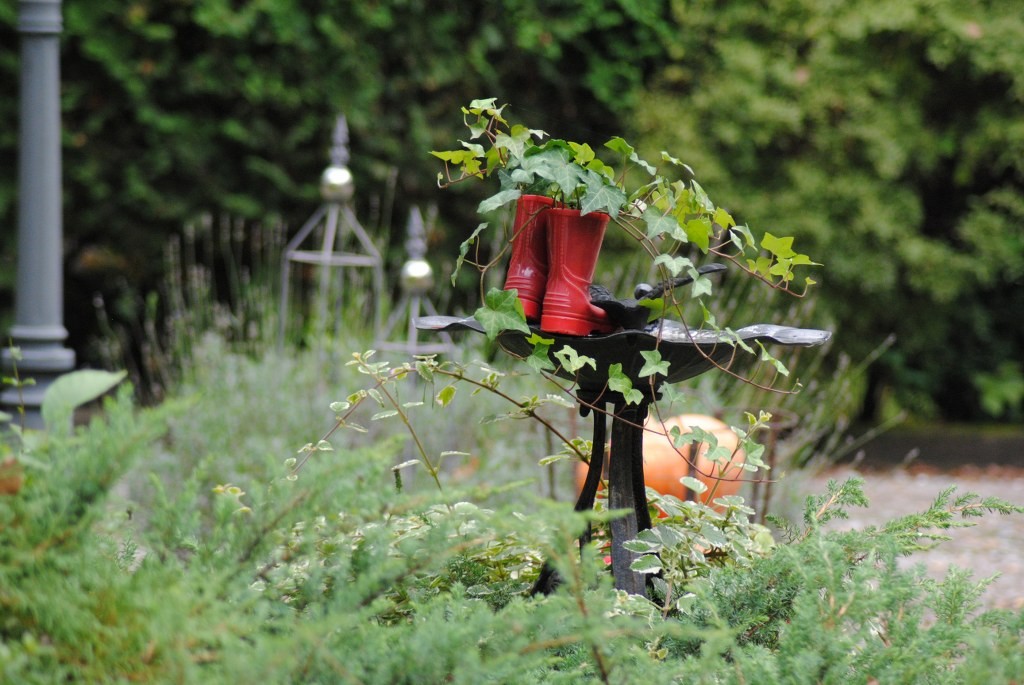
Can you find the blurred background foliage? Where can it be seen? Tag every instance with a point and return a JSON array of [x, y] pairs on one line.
[[887, 137]]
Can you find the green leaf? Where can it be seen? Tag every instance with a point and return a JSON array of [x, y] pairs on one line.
[[723, 218], [701, 286], [699, 232], [643, 164], [405, 464], [620, 383], [464, 249], [766, 357], [553, 165], [617, 144], [555, 458], [516, 141], [657, 307], [73, 390], [447, 394], [539, 359], [782, 248], [693, 484], [653, 363], [481, 105], [658, 223], [675, 265], [675, 161], [502, 311], [648, 563], [714, 536], [584, 153], [572, 361], [499, 199], [601, 196]]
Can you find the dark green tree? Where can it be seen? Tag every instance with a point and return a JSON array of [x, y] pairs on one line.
[[890, 138], [887, 137]]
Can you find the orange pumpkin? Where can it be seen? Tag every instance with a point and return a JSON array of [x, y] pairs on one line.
[[664, 465], [11, 476]]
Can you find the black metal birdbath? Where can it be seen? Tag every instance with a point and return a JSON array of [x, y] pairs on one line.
[[688, 352]]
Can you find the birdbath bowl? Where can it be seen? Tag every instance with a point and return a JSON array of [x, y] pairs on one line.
[[689, 353]]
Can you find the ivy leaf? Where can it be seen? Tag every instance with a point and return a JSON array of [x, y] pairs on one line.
[[699, 232], [701, 286], [723, 218], [643, 164], [481, 105], [675, 161], [653, 363], [766, 357], [761, 266], [538, 359], [657, 307], [601, 196], [675, 265], [584, 153], [741, 237], [455, 156], [617, 144], [516, 140], [620, 383], [658, 223], [502, 311], [599, 167], [553, 165], [464, 250], [499, 199], [780, 247], [700, 196], [572, 361]]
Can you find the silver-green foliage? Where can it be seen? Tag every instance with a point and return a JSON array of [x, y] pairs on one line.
[[337, 576]]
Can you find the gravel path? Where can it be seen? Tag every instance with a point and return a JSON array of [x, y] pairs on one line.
[[994, 545]]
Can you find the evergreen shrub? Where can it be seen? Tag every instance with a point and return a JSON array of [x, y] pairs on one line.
[[334, 574]]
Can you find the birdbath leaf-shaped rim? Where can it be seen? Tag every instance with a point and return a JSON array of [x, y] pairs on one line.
[[688, 351]]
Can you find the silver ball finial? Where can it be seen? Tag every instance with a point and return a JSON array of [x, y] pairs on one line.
[[336, 183], [417, 275]]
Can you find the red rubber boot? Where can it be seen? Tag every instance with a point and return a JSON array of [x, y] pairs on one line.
[[574, 242], [528, 266]]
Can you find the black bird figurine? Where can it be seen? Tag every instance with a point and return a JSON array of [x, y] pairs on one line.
[[629, 313]]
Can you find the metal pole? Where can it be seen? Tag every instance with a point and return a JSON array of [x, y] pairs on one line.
[[39, 302]]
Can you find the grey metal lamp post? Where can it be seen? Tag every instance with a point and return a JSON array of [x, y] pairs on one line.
[[39, 302]]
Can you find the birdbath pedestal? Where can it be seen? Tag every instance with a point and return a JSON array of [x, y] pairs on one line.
[[688, 352]]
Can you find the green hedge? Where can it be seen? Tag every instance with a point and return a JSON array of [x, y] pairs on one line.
[[890, 137]]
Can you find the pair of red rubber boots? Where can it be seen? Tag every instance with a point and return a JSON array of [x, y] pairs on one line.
[[554, 253]]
